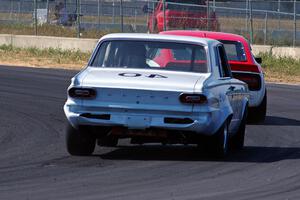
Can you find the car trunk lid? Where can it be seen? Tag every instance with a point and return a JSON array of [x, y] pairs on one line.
[[148, 90]]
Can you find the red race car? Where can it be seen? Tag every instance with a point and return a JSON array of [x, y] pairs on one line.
[[183, 14], [244, 66]]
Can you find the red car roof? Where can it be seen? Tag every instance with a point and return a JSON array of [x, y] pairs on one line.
[[236, 65], [207, 34]]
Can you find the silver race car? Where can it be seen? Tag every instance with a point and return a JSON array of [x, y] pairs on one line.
[[156, 88]]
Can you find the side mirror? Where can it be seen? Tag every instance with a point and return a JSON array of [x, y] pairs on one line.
[[258, 60]]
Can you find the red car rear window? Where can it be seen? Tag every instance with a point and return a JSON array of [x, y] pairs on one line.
[[234, 50]]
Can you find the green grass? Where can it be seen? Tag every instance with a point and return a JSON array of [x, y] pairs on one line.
[[50, 52], [281, 68], [51, 30], [43, 57]]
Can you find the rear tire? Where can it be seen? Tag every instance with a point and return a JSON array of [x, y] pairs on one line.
[[258, 114], [220, 141], [237, 141], [79, 142]]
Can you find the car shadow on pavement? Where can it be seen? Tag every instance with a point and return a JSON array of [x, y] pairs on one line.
[[279, 121], [252, 154]]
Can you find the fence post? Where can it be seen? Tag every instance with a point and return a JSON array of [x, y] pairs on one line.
[[113, 12], [78, 17], [35, 17], [208, 16], [47, 6], [19, 10], [295, 24], [164, 11], [148, 17], [10, 10], [266, 29], [121, 13], [251, 22], [98, 14], [247, 16], [135, 15], [152, 17], [279, 8]]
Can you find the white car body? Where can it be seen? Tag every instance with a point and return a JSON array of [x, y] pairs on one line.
[[141, 99], [256, 97]]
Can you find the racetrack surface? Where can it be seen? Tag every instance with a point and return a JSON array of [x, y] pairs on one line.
[[34, 163]]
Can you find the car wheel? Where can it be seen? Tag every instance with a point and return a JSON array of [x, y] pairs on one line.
[[220, 141], [108, 141], [237, 141], [79, 142], [258, 114]]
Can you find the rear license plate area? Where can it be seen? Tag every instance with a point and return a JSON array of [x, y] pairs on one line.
[[138, 122]]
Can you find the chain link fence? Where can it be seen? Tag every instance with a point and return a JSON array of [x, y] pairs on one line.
[[262, 22]]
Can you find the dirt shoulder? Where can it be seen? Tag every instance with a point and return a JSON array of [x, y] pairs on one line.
[[37, 64], [273, 77]]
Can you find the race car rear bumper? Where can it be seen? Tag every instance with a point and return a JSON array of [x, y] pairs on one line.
[[256, 97], [206, 122]]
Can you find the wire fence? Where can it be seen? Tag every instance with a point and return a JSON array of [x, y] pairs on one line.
[[262, 22]]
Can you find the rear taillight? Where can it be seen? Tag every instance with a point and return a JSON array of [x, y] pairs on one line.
[[82, 93], [244, 67], [193, 98], [253, 80]]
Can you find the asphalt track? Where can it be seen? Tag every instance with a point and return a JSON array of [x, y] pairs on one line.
[[35, 165]]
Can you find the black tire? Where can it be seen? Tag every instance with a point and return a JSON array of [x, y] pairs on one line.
[[220, 141], [258, 114], [79, 142], [237, 140], [108, 141]]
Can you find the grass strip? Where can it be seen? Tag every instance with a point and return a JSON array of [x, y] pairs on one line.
[[34, 57], [281, 69], [52, 30]]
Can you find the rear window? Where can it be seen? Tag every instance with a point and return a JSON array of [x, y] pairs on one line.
[[234, 50], [185, 54], [151, 55]]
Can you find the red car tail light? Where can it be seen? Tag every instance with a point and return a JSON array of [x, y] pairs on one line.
[[243, 67], [82, 93], [193, 98], [253, 80]]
